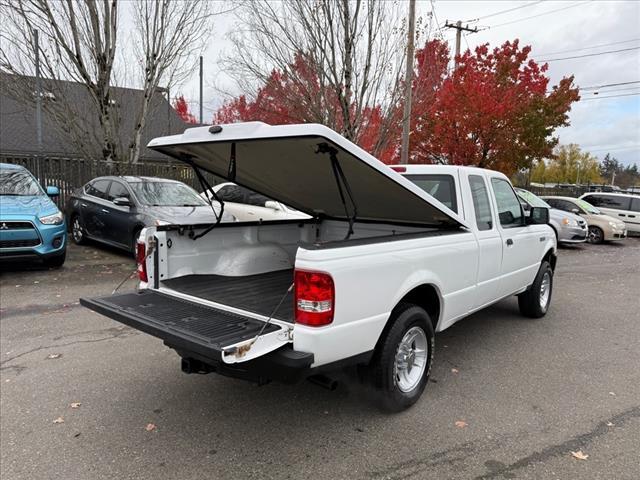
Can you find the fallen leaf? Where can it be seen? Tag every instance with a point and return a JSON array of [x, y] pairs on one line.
[[150, 427], [75, 405], [461, 424], [454, 370], [59, 420], [612, 394], [580, 455], [36, 282], [77, 434], [53, 356], [609, 424]]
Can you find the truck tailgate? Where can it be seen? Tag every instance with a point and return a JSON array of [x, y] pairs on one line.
[[199, 328]]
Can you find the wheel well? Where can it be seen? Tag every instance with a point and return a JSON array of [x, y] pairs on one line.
[[551, 258], [426, 297]]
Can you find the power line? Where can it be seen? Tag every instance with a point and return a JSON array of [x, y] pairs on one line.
[[540, 14], [588, 48], [591, 54], [596, 87], [610, 96], [606, 92], [505, 11]]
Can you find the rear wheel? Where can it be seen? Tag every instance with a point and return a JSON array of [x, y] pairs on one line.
[[401, 365], [77, 230], [596, 235], [534, 303]]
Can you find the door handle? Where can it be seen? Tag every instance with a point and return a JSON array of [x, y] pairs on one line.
[[104, 210], [509, 242], [632, 216], [621, 215]]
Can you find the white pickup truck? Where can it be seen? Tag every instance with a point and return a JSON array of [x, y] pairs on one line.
[[387, 259]]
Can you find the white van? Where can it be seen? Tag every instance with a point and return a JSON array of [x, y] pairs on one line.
[[623, 206]]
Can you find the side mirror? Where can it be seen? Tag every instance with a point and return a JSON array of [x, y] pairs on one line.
[[272, 205], [576, 211], [538, 216], [122, 202], [53, 191]]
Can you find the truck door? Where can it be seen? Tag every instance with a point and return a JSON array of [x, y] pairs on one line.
[[489, 242], [520, 242]]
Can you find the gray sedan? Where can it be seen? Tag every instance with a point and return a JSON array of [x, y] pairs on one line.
[[569, 228]]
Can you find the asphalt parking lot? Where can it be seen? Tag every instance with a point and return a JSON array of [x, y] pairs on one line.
[[83, 397]]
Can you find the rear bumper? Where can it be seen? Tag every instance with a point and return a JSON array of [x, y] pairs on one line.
[[200, 333]]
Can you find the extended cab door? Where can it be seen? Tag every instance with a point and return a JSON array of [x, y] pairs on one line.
[[521, 243]]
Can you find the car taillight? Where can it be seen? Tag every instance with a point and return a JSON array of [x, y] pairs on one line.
[[314, 298], [141, 257]]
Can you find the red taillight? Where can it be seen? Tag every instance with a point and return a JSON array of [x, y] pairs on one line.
[[141, 259], [398, 169], [314, 298]]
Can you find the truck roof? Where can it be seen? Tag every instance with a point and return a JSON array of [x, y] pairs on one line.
[[443, 169]]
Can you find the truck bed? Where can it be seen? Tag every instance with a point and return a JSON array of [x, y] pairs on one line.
[[254, 293]]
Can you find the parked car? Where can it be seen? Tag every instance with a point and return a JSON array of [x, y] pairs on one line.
[[248, 206], [601, 227], [623, 206], [113, 210], [366, 281], [568, 227], [31, 226]]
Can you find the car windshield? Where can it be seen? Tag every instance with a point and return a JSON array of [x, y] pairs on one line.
[[166, 194], [18, 182], [532, 200], [587, 207]]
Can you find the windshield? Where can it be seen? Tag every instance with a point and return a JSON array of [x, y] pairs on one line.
[[587, 207], [18, 182], [166, 194], [532, 200]]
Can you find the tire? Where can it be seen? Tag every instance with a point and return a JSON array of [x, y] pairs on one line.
[[396, 382], [535, 302], [57, 261], [596, 235], [78, 234]]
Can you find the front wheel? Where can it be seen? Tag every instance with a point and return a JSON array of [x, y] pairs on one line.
[[534, 303], [402, 363], [77, 230], [596, 235]]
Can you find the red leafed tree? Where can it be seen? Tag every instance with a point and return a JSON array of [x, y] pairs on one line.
[[182, 109], [494, 111]]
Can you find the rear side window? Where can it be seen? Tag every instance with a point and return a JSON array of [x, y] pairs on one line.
[[98, 188], [441, 187], [231, 193], [509, 209], [118, 190], [635, 204], [481, 206], [609, 201], [561, 204]]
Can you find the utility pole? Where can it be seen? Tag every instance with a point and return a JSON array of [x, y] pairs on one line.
[[459, 29], [200, 89], [408, 83], [38, 93]]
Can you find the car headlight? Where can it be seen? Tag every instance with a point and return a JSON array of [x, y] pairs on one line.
[[568, 221], [55, 219]]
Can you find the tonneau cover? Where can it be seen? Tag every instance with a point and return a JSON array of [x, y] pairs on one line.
[[283, 162]]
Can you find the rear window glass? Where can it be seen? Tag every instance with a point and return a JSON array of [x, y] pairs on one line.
[[441, 187], [609, 201]]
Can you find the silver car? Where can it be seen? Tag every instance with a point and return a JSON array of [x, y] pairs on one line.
[[568, 227]]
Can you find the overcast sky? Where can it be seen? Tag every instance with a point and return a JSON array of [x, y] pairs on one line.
[[555, 29]]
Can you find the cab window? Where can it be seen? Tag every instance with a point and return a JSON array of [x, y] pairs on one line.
[[509, 209], [481, 206], [441, 187]]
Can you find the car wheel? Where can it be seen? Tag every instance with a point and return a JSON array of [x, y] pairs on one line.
[[77, 230], [596, 235], [57, 261], [400, 368], [535, 302]]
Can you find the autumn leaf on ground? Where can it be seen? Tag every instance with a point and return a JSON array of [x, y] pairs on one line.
[[580, 455], [150, 427], [59, 420], [454, 370], [461, 424], [75, 405], [610, 424], [613, 394], [53, 356]]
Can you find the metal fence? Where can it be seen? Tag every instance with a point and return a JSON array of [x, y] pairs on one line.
[[69, 174]]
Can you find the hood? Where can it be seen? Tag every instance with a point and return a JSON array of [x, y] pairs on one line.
[[36, 205], [186, 215], [293, 165]]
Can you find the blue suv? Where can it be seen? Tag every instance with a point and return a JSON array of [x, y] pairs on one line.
[[31, 225]]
